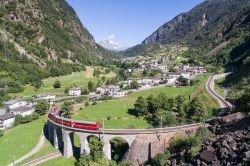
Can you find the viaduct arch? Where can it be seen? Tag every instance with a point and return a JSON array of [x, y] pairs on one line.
[[62, 136]]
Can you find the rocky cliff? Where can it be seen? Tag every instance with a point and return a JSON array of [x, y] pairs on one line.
[[209, 23]]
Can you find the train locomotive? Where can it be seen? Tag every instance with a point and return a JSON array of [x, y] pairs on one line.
[[54, 116]]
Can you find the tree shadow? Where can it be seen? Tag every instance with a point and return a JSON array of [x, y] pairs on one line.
[[132, 111]]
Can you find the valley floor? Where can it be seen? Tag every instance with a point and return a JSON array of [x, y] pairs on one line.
[[21, 139], [117, 110]]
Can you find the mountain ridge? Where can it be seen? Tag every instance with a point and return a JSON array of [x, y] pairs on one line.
[[211, 25], [206, 18], [45, 38]]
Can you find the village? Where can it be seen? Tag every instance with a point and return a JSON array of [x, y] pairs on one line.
[[166, 75]]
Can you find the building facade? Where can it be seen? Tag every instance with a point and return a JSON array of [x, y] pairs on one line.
[[23, 111], [6, 121], [76, 91]]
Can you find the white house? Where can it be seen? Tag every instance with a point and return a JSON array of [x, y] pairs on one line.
[[171, 81], [111, 90], [144, 81], [6, 120], [101, 89], [12, 104], [119, 93], [186, 75], [130, 80], [76, 91], [24, 111], [151, 80], [163, 67]]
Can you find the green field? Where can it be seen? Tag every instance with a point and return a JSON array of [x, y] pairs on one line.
[[61, 161], [117, 109], [200, 92], [218, 85], [19, 140], [80, 79], [46, 149]]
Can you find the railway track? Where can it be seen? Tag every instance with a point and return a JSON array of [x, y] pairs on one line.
[[224, 105], [43, 159], [132, 131]]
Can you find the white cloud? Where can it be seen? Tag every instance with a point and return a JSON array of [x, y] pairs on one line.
[[111, 37], [111, 44]]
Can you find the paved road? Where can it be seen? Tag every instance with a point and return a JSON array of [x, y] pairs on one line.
[[210, 89], [33, 151]]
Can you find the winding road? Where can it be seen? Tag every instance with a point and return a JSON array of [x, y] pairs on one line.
[[210, 89]]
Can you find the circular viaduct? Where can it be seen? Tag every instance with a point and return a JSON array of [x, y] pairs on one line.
[[62, 136]]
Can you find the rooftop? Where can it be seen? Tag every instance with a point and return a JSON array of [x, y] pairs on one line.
[[75, 88], [6, 116], [22, 109], [110, 87], [10, 102], [45, 95]]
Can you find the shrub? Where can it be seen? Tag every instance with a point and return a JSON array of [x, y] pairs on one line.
[[1, 133], [86, 104], [42, 107], [19, 119], [57, 84], [248, 137], [85, 91], [179, 143], [202, 133], [94, 103], [127, 163], [161, 159]]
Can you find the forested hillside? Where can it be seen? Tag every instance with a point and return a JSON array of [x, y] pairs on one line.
[[206, 29], [42, 38]]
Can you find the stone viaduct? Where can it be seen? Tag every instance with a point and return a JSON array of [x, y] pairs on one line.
[[62, 137]]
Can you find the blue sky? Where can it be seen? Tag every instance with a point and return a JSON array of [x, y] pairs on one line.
[[127, 21]]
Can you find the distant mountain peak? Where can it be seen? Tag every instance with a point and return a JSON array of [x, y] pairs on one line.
[[110, 44]]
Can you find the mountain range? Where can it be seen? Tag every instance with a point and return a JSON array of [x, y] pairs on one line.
[[209, 26], [42, 38]]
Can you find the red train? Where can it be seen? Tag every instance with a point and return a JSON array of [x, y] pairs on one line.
[[54, 116]]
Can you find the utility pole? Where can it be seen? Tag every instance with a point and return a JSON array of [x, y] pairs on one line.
[[14, 160], [62, 119], [103, 127], [161, 122]]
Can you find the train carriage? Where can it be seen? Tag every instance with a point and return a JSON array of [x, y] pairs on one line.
[[54, 116]]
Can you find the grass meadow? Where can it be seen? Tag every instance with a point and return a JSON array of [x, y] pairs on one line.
[[80, 79], [19, 140]]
